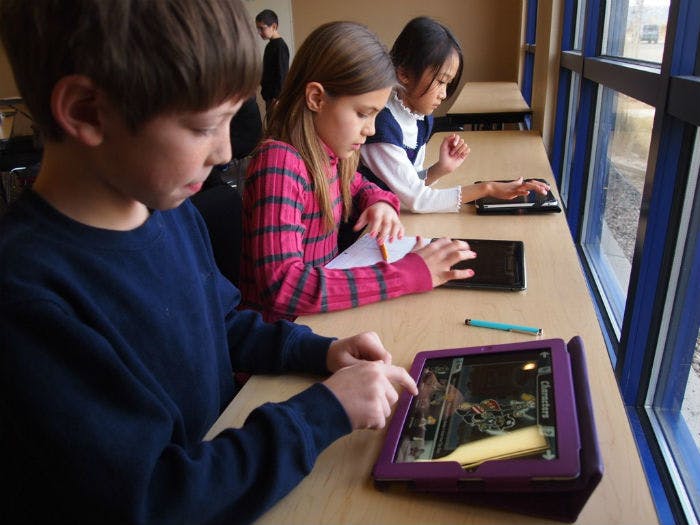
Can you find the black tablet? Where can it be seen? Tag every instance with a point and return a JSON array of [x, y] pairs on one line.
[[531, 203], [499, 265]]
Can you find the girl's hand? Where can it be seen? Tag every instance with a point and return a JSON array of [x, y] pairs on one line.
[[516, 188], [453, 151], [441, 254], [382, 222]]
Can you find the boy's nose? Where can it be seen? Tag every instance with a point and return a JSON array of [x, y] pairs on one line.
[[221, 152]]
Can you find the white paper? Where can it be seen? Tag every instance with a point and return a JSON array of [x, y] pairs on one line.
[[365, 252]]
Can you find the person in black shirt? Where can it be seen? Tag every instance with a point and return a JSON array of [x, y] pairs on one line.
[[275, 58], [246, 131]]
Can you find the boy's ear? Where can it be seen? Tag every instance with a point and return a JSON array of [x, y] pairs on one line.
[[75, 105], [314, 96]]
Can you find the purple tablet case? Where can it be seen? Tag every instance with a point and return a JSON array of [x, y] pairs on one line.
[[506, 484]]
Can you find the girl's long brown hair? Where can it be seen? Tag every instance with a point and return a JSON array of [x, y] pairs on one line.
[[347, 59]]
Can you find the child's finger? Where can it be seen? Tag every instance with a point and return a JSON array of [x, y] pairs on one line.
[[462, 151], [361, 223], [398, 375]]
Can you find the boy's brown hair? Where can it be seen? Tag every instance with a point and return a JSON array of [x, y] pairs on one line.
[[150, 57]]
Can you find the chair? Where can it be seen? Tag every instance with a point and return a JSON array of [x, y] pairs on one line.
[[221, 207]]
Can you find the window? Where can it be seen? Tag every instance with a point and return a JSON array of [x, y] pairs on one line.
[[636, 29], [569, 87], [578, 26], [529, 49], [627, 154], [570, 133], [673, 400], [622, 134]]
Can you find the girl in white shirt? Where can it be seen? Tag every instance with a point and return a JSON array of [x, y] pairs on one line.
[[428, 61]]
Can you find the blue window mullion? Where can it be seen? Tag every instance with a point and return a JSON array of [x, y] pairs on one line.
[[592, 26], [648, 284], [648, 299], [560, 124], [563, 94], [529, 65], [579, 166], [684, 324]]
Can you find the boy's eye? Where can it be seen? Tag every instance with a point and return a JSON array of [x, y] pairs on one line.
[[206, 128]]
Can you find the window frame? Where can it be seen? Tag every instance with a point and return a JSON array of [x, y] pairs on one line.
[[529, 48], [673, 88]]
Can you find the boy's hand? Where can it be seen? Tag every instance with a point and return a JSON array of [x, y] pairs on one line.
[[352, 350], [441, 254], [366, 391], [382, 221]]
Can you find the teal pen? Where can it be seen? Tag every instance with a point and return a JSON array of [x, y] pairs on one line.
[[503, 326]]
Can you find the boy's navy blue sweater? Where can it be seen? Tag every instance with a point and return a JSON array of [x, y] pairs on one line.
[[118, 352]]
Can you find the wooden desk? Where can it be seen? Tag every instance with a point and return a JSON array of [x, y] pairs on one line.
[[339, 490], [488, 103]]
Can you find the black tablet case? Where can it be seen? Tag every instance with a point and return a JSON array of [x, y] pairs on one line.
[[560, 500], [525, 209]]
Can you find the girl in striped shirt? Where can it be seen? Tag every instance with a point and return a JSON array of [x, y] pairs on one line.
[[303, 181]]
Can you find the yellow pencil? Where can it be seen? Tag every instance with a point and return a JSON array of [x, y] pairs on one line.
[[385, 254]]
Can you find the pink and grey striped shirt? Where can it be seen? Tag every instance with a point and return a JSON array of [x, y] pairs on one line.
[[286, 243]]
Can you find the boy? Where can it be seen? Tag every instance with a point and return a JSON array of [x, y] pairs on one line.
[[275, 57], [119, 335]]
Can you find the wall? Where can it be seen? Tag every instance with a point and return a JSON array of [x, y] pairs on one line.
[[8, 89], [488, 31], [546, 72], [282, 8], [490, 34]]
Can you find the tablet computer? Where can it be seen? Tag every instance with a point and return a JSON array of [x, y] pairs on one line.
[[533, 202], [499, 265], [489, 418]]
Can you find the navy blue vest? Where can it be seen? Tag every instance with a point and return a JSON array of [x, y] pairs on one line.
[[389, 131]]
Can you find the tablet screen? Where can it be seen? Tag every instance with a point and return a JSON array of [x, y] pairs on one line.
[[533, 201], [499, 264], [472, 409]]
